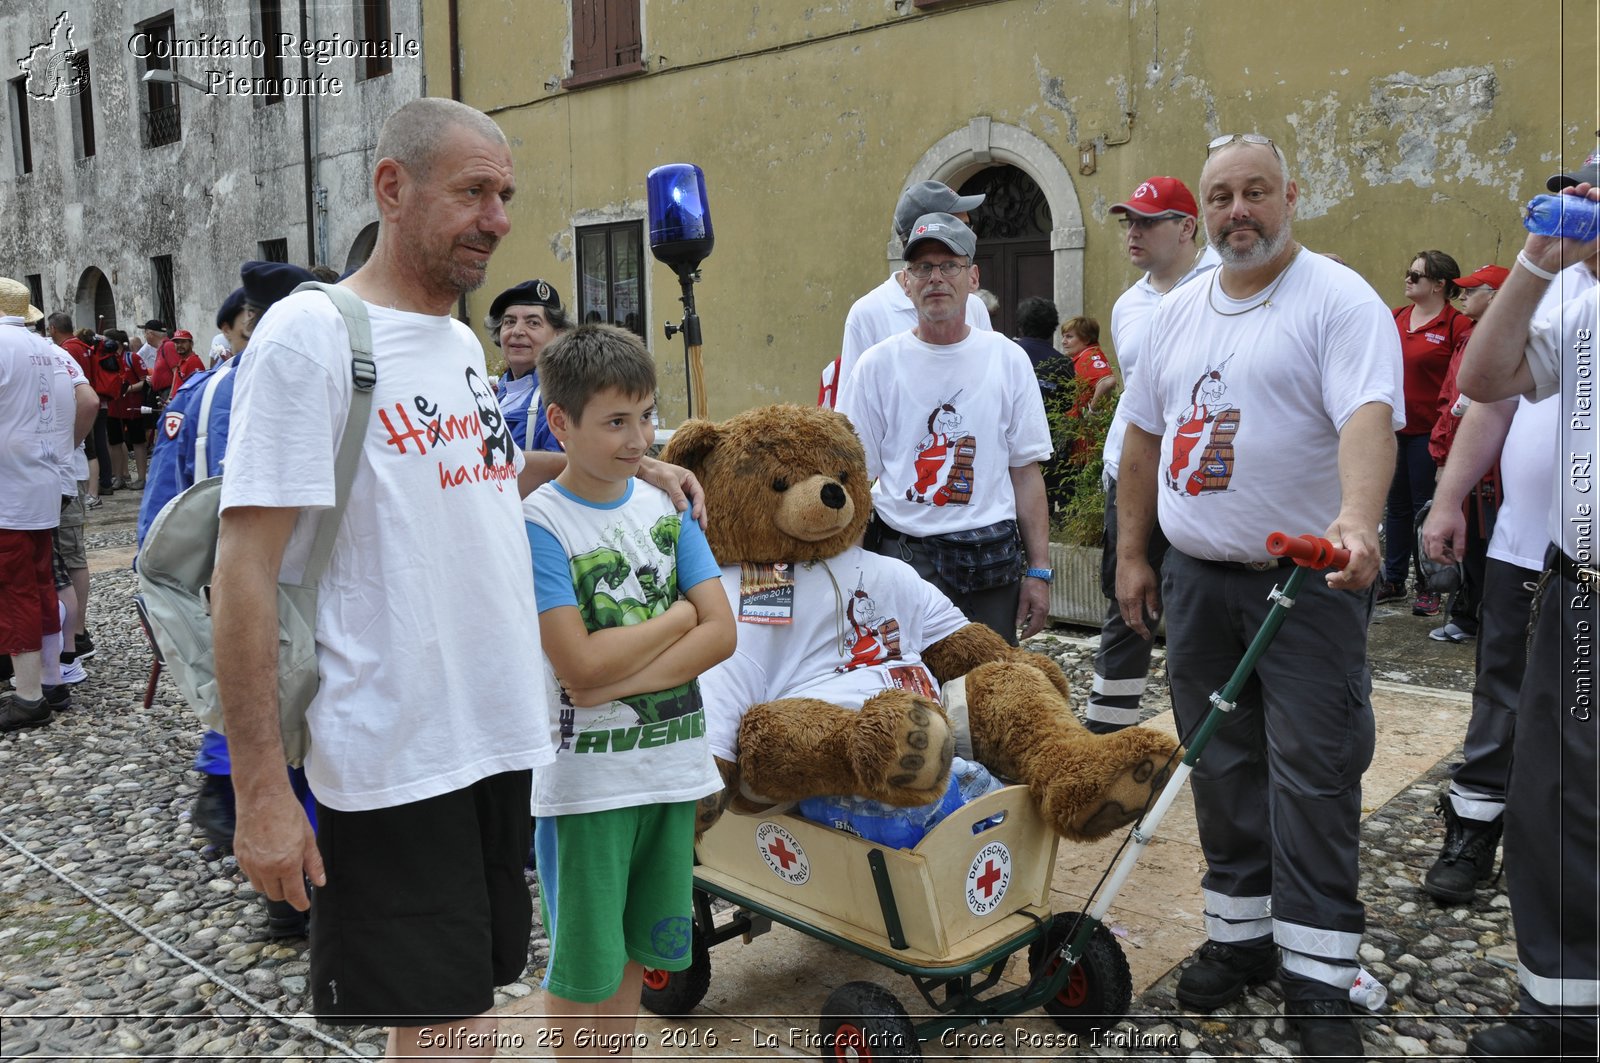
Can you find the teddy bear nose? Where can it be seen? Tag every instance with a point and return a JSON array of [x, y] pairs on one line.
[[833, 496]]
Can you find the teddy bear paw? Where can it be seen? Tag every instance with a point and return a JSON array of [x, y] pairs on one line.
[[1136, 763], [901, 748]]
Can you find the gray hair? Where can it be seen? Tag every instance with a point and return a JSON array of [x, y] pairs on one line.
[[411, 136], [1277, 152]]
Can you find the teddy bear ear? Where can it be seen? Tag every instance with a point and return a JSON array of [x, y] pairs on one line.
[[691, 444]]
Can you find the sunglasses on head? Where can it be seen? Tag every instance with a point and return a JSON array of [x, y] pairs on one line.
[[1248, 138]]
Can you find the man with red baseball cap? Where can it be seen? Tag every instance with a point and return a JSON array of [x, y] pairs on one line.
[[189, 363], [1161, 225]]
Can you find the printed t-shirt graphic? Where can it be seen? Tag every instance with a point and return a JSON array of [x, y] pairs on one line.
[[875, 638], [1206, 407], [640, 592], [944, 444], [440, 422]]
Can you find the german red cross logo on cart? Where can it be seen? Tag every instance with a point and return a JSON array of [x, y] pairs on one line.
[[783, 854], [988, 876]]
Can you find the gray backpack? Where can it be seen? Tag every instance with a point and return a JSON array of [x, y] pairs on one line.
[[180, 550]]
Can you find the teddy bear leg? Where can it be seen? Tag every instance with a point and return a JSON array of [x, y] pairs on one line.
[[895, 749], [1087, 785], [709, 809]]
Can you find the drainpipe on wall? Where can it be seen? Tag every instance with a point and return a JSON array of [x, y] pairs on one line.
[[453, 15], [305, 144]]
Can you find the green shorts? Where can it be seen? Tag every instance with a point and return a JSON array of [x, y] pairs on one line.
[[631, 898]]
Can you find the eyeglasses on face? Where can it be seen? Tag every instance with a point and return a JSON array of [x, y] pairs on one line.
[[1413, 277], [1131, 223], [923, 270], [1248, 138]]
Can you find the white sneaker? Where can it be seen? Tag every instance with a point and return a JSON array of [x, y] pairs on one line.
[[73, 673]]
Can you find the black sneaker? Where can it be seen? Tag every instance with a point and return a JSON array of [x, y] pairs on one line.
[[1221, 972], [83, 646], [58, 697], [18, 713], [213, 811], [1391, 591], [1522, 1036], [1467, 860], [1327, 1030]]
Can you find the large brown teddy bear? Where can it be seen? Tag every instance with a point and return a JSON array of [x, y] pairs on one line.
[[829, 691]]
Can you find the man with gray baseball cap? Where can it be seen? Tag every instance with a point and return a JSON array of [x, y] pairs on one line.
[[954, 429], [886, 310]]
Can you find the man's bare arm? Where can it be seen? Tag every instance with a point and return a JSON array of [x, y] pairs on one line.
[[1495, 363], [1033, 522], [1137, 591], [1366, 465], [1477, 445], [273, 839]]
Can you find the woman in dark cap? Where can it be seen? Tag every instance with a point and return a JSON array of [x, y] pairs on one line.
[[522, 322]]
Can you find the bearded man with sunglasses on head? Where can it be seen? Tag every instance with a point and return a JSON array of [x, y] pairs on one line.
[[1269, 402]]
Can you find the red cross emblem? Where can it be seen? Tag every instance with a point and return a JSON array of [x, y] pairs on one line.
[[781, 851], [990, 876]]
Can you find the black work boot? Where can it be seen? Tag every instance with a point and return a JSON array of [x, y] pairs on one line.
[[1525, 1035], [1327, 1030], [1467, 860], [1221, 971], [284, 920], [214, 810]]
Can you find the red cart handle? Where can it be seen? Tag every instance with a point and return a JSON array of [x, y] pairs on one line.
[[1310, 551]]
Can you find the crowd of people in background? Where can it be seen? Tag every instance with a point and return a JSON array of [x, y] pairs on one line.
[[1338, 423]]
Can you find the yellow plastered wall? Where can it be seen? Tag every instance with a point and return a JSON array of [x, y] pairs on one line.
[[1407, 126]]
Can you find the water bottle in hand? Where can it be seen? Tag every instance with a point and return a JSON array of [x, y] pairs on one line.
[[1572, 217]]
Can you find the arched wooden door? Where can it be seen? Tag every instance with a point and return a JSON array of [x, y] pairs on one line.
[[1013, 228]]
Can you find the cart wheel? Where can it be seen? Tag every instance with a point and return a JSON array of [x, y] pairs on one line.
[[675, 993], [863, 1020], [1099, 989]]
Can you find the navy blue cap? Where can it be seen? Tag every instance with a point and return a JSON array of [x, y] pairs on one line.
[[528, 293], [267, 282], [230, 307]]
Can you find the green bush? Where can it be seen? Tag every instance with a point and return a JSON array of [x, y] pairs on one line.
[[1072, 475]]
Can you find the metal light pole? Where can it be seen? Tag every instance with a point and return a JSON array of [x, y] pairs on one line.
[[681, 237]]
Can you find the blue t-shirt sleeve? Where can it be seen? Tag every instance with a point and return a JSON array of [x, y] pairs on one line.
[[694, 561], [552, 571]]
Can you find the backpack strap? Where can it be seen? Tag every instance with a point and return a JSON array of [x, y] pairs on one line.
[[202, 467], [363, 377]]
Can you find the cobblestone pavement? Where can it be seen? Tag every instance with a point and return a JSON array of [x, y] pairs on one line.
[[123, 935]]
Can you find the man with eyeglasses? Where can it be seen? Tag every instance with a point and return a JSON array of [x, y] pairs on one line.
[[1524, 346], [1286, 367], [954, 430], [1160, 224], [886, 309]]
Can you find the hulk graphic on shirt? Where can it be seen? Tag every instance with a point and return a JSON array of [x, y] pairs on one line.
[[596, 577]]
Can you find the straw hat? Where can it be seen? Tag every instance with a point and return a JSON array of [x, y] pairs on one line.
[[14, 301]]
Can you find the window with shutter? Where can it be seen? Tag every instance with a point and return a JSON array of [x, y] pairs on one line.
[[606, 43]]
